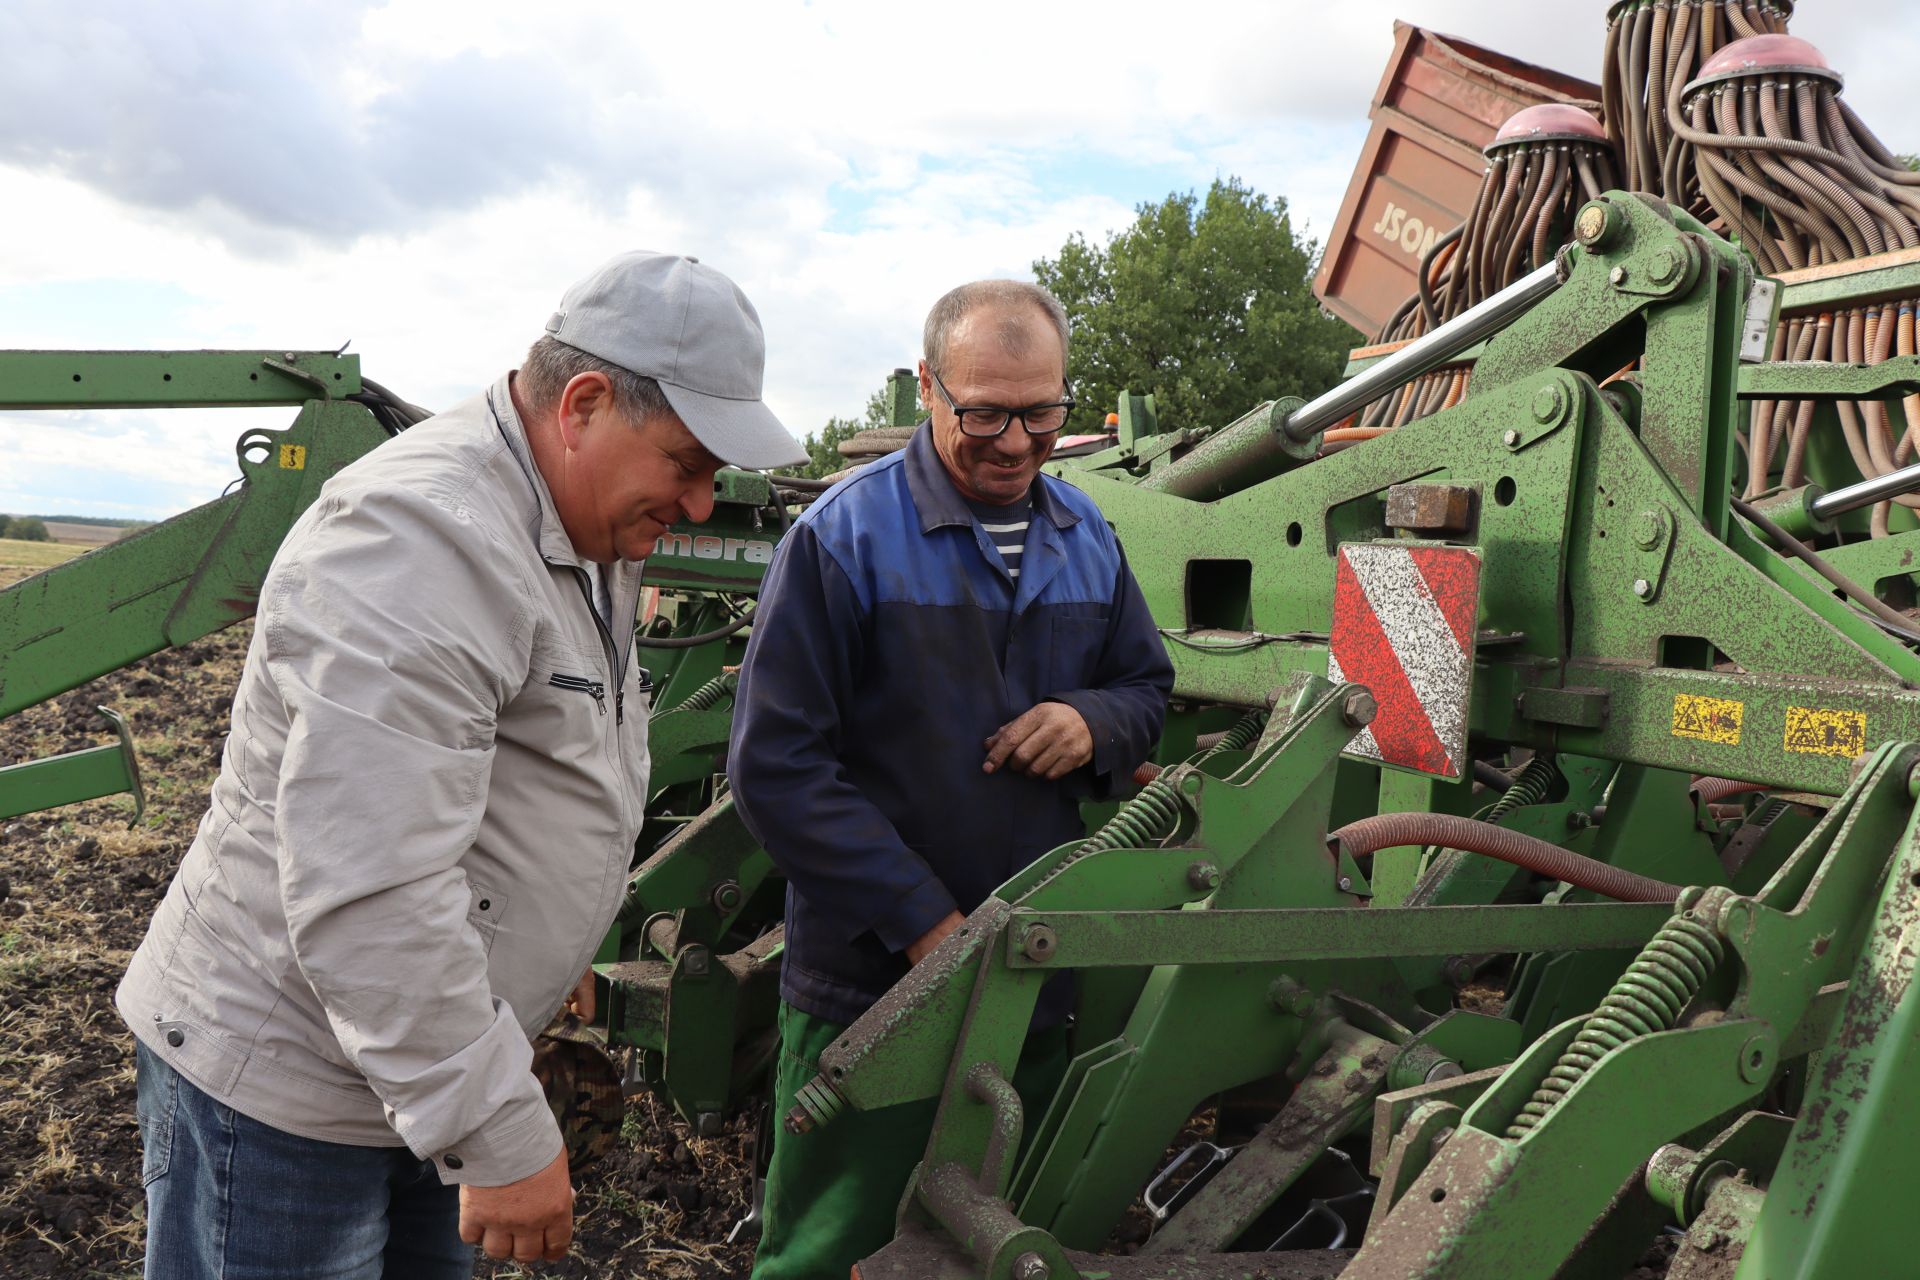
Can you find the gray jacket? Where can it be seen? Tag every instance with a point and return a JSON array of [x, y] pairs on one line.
[[424, 815]]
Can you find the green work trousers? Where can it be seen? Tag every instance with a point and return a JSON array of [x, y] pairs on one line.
[[832, 1194]]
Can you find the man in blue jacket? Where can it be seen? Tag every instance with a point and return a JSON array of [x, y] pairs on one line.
[[953, 655]]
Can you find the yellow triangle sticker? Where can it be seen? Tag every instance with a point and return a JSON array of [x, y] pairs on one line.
[[1708, 719], [1825, 731]]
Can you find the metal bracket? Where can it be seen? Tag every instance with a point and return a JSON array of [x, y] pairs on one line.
[[1575, 708], [1548, 411], [1669, 270], [1652, 534], [1756, 332]]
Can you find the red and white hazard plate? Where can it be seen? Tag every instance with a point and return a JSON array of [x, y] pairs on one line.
[[1404, 619]]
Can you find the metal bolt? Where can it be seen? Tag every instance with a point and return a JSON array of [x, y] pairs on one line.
[[1359, 709], [1459, 971], [1203, 876], [1345, 883], [1666, 265], [1617, 276], [1547, 404], [1647, 528], [726, 896], [1511, 439], [1642, 588], [1288, 996], [1756, 1059], [798, 1122], [1591, 225], [1031, 1266], [1038, 942], [1579, 820], [707, 1124], [695, 961]]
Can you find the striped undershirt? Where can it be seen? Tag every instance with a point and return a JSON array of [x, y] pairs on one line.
[[1007, 526]]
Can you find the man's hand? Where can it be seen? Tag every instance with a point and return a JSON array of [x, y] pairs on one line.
[[917, 949], [526, 1220], [1050, 741], [580, 1000]]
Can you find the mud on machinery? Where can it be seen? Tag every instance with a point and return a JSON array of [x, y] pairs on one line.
[[1708, 1024]]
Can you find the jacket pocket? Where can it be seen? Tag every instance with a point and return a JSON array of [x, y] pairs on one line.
[[595, 689], [487, 906], [1078, 641]]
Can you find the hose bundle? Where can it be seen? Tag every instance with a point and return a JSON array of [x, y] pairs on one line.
[[1653, 48], [1781, 162], [1542, 165], [1786, 166]]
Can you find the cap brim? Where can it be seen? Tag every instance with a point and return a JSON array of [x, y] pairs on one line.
[[741, 433]]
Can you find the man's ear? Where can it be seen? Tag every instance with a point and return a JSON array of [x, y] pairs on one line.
[[585, 398], [926, 388]]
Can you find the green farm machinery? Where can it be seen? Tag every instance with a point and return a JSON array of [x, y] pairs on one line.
[[1527, 883]]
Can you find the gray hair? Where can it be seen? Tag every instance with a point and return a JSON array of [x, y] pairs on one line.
[[551, 364], [1011, 296]]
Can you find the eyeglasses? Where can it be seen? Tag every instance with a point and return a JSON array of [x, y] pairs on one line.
[[986, 422]]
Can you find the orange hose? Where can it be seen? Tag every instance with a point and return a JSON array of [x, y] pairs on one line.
[[1338, 434], [1388, 830], [1714, 790]]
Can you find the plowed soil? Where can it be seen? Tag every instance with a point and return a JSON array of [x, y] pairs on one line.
[[77, 886]]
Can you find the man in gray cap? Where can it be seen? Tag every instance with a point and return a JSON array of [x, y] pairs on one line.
[[427, 806]]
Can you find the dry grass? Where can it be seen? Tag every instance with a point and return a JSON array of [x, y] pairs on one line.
[[15, 554]]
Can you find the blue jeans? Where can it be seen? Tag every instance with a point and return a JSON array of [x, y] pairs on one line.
[[230, 1198]]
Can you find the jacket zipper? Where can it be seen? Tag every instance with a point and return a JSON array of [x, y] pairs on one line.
[[597, 690], [613, 652]]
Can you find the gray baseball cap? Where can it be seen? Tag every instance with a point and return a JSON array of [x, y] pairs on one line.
[[689, 328]]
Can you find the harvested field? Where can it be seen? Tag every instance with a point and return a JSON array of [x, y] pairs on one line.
[[32, 557], [85, 535], [77, 886]]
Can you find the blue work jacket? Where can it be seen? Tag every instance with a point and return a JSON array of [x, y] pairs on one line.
[[889, 644]]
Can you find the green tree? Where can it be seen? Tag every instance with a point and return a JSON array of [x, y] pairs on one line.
[[28, 529], [1204, 303], [5, 521], [823, 446]]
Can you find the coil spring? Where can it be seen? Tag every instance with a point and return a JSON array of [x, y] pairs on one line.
[[1245, 732], [710, 693], [1649, 997], [1151, 816], [818, 1101], [1530, 786], [1142, 822]]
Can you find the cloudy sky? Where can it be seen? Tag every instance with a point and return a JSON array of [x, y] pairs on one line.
[[423, 179]]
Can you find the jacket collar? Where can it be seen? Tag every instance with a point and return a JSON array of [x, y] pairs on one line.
[[939, 503], [548, 533]]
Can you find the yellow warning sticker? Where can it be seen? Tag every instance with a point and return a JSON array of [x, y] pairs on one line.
[[1707, 719], [1823, 731], [293, 457]]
